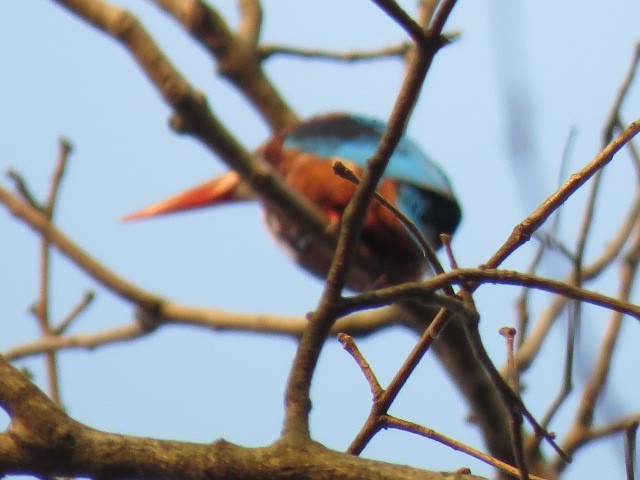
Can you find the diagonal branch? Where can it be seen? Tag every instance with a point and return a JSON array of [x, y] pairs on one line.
[[523, 231], [237, 54], [297, 399], [194, 117], [38, 221]]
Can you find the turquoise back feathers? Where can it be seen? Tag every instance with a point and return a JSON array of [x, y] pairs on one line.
[[424, 192]]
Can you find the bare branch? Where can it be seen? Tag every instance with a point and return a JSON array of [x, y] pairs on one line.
[[23, 190], [44, 441], [42, 224], [483, 275], [250, 21], [411, 427], [75, 312], [594, 387], [41, 310], [613, 247], [381, 403], [523, 231], [614, 116], [297, 393], [266, 51], [350, 346], [357, 324], [237, 55], [87, 341], [395, 11], [630, 449], [509, 335]]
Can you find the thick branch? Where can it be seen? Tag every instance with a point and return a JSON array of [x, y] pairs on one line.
[[237, 54], [43, 441]]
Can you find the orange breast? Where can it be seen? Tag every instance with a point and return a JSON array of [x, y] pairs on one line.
[[383, 234]]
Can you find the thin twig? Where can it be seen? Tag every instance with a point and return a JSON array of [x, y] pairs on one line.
[[613, 247], [563, 172], [522, 301], [381, 404], [402, 18], [594, 386], [509, 335], [614, 116], [267, 50], [523, 231], [23, 190], [235, 54], [361, 324], [480, 276], [397, 423], [516, 421], [466, 292], [528, 351], [612, 428], [65, 149], [75, 312], [575, 279], [117, 284], [630, 450], [350, 346], [42, 311], [442, 14], [567, 374]]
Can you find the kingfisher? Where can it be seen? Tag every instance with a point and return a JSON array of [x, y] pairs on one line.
[[303, 156]]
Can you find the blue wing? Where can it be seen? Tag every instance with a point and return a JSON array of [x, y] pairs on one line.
[[424, 191], [356, 138]]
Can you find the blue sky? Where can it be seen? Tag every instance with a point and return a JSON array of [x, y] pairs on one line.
[[60, 77]]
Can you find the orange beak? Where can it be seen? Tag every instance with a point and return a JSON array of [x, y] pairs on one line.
[[224, 189]]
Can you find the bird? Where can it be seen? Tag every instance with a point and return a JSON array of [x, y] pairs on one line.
[[303, 156]]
